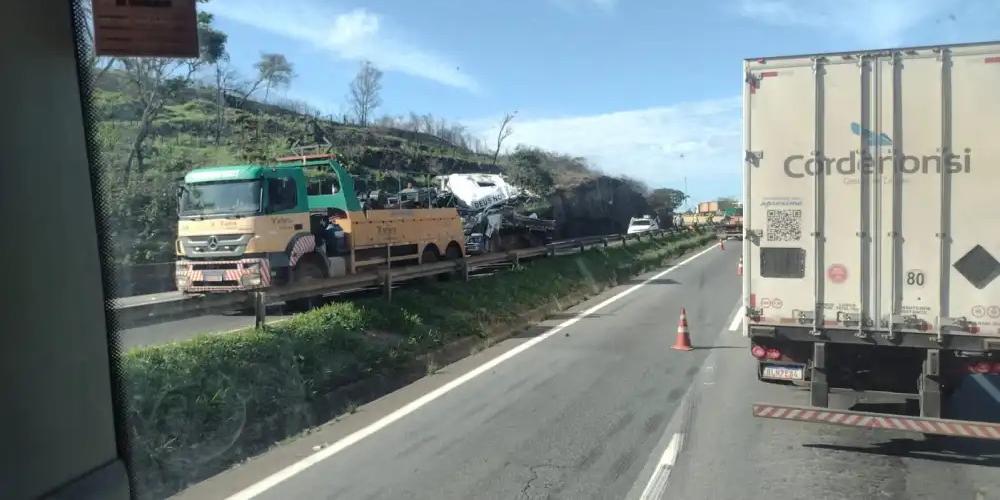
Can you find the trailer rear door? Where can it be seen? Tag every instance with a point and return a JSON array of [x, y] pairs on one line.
[[896, 231]]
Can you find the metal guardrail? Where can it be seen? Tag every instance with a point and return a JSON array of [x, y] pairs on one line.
[[138, 314]]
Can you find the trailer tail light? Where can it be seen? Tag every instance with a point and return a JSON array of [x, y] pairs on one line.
[[980, 367], [758, 352], [773, 353], [973, 328]]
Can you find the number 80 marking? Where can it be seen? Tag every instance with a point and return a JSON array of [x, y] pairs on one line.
[[915, 278]]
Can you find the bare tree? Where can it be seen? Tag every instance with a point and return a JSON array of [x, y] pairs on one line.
[[428, 126], [273, 71], [413, 125], [227, 81], [387, 121], [212, 46], [157, 78], [365, 89], [504, 133]]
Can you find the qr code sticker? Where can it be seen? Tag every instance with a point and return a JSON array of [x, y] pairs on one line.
[[784, 225]]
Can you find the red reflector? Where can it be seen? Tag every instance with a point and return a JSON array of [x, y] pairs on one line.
[[923, 326], [993, 60], [768, 73], [996, 368], [980, 367], [758, 352], [973, 328], [773, 353], [753, 300]]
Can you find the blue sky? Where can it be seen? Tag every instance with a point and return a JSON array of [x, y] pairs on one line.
[[648, 89]]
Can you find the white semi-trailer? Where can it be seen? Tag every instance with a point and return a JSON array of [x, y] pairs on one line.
[[872, 229]]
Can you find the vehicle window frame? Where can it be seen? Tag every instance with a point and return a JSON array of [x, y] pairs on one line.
[[289, 205]]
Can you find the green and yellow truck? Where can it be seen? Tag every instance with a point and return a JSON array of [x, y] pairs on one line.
[[248, 227]]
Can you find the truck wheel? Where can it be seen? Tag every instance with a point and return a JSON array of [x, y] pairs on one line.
[[452, 253], [535, 240], [429, 256], [307, 270]]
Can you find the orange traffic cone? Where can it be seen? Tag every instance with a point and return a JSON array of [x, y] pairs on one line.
[[739, 268], [683, 342], [722, 245]]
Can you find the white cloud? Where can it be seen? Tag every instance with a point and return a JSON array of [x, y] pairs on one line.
[[353, 35], [661, 146], [880, 23]]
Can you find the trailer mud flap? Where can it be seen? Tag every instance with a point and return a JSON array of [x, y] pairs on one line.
[[847, 418]]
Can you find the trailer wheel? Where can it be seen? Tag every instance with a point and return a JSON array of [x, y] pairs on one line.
[[429, 256], [453, 252], [307, 270]]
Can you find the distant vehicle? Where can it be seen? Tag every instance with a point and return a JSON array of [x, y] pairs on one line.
[[873, 276], [642, 224], [732, 227]]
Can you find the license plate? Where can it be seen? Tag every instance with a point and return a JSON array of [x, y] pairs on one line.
[[784, 372], [215, 276]]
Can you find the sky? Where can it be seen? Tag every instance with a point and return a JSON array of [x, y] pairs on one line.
[[644, 88]]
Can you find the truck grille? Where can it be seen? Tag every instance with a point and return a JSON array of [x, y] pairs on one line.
[[220, 245]]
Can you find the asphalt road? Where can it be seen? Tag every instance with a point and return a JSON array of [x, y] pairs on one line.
[[595, 408], [726, 453], [173, 331]]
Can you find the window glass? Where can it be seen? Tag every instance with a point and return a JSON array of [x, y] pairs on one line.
[[281, 194]]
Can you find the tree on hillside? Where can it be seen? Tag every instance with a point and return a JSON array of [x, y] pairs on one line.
[[225, 80], [212, 45], [665, 199], [526, 171], [365, 93], [504, 133], [273, 71], [156, 79]]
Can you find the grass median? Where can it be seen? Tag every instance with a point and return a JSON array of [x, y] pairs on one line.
[[201, 405]]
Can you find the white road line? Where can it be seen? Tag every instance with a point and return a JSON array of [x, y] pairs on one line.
[[737, 320], [297, 467], [658, 481]]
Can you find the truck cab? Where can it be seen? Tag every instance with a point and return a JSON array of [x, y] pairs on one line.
[[244, 227]]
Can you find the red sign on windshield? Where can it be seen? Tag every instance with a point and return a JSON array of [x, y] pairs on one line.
[[154, 28]]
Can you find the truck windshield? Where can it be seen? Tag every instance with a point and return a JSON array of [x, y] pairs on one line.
[[220, 198], [640, 223]]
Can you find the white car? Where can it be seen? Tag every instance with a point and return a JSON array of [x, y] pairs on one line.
[[642, 224]]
